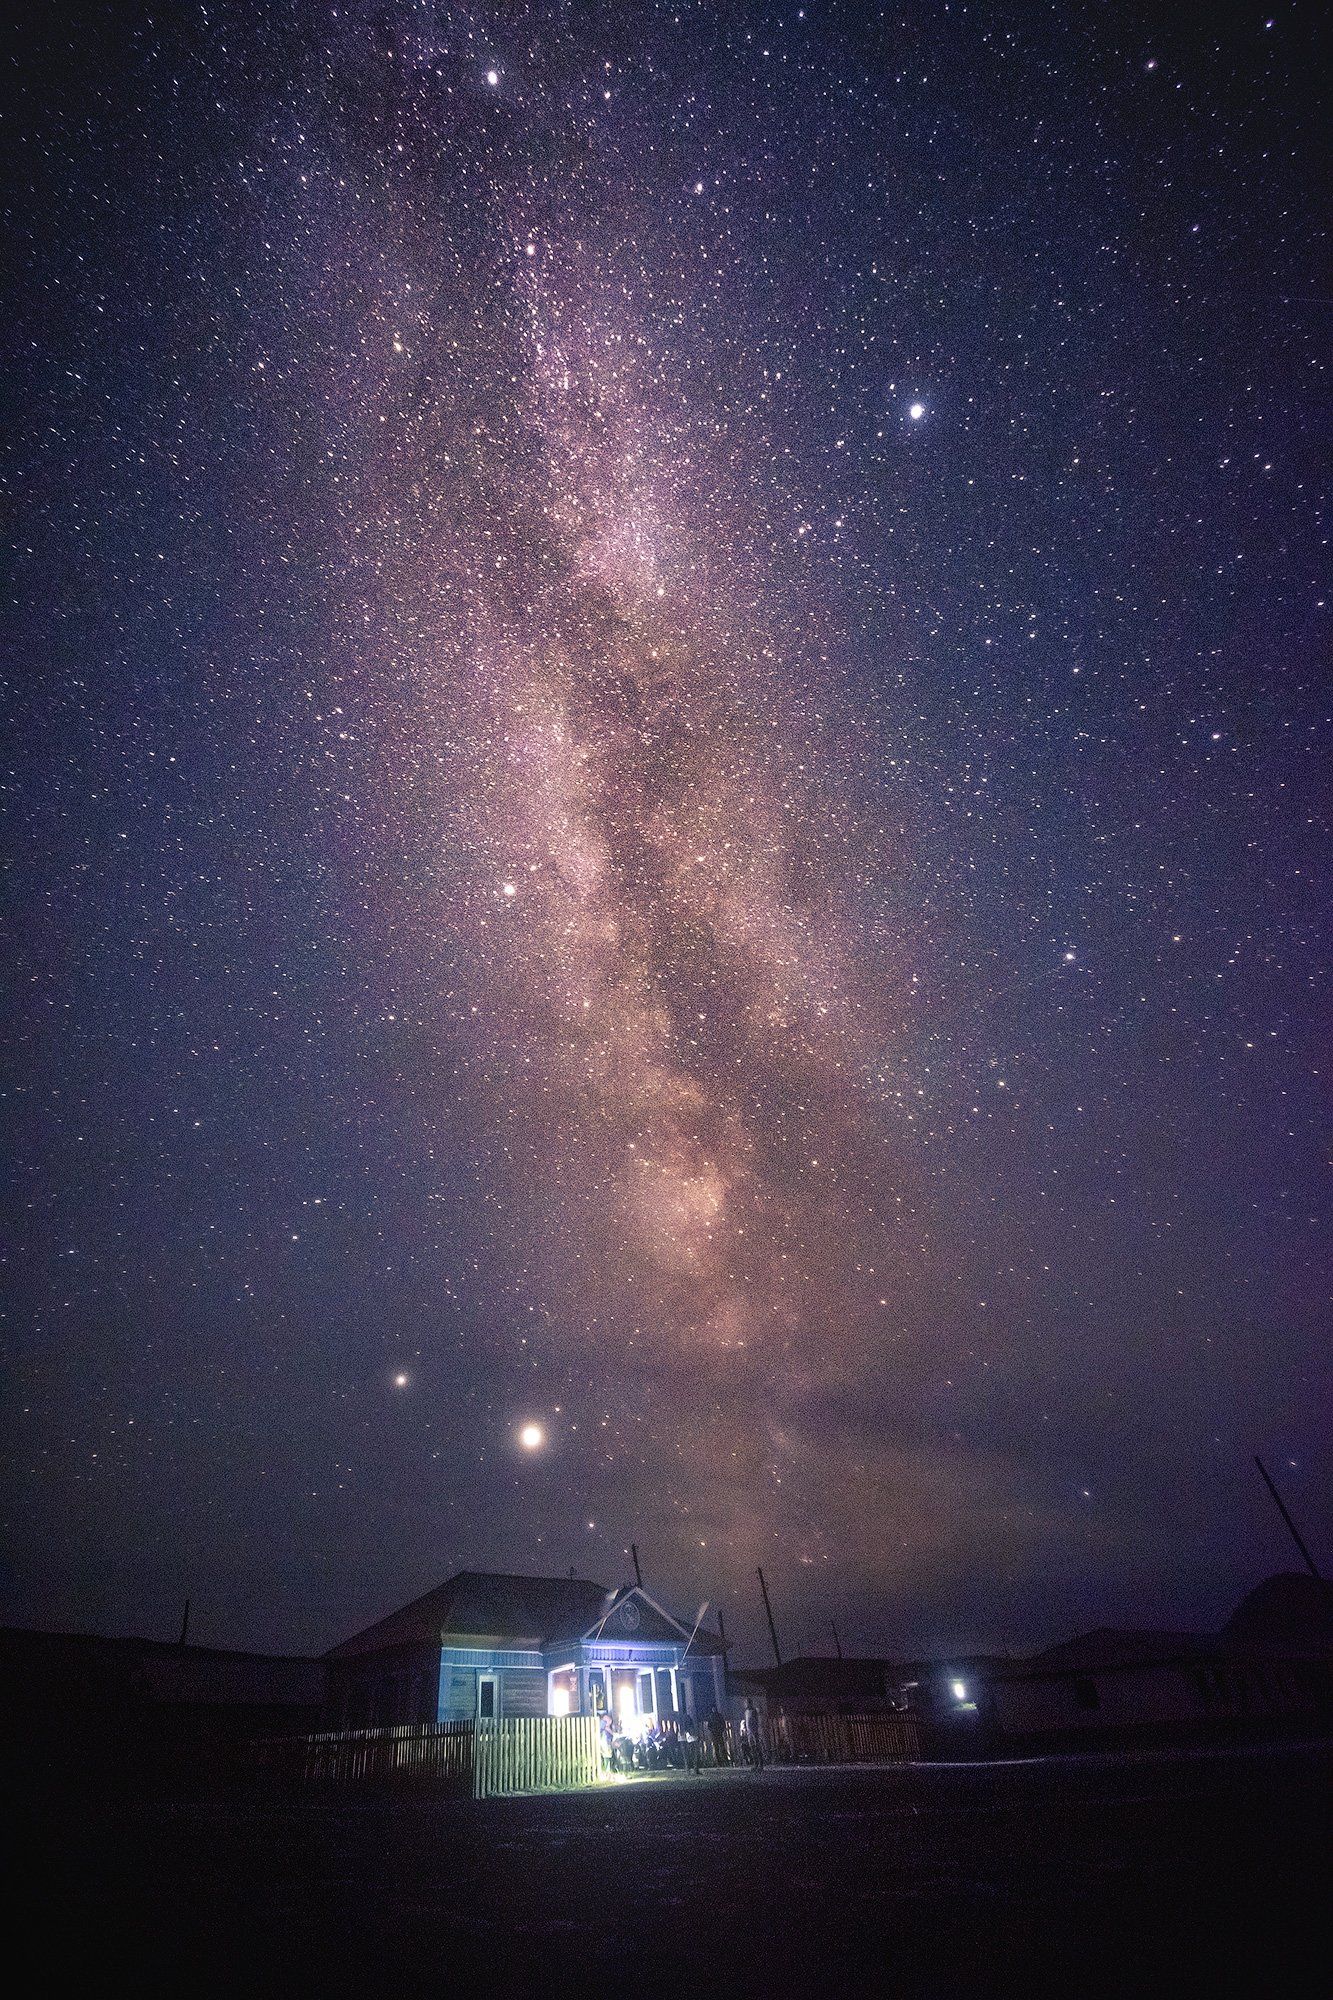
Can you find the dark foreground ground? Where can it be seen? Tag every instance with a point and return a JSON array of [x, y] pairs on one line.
[[1112, 1875]]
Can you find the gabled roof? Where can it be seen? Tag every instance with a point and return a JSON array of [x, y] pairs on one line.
[[525, 1612], [530, 1611], [1290, 1612], [814, 1676], [1111, 1646], [635, 1617]]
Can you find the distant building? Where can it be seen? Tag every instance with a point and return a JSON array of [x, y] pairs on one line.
[[1269, 1671], [487, 1645], [79, 1709], [943, 1698], [812, 1685]]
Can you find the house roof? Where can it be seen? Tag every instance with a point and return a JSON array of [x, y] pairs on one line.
[[1289, 1612], [1112, 1646], [638, 1618], [813, 1676], [159, 1670], [481, 1603], [530, 1611]]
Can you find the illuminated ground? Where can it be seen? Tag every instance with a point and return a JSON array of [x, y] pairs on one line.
[[1062, 1877]]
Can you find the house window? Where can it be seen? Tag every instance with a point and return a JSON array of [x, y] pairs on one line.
[[488, 1697], [647, 1706], [562, 1691]]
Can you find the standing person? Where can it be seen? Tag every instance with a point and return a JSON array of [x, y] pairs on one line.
[[751, 1739], [717, 1729]]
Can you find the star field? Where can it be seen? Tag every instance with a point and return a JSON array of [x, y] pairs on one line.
[[668, 713]]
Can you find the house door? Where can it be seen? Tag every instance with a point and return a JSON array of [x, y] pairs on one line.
[[488, 1697]]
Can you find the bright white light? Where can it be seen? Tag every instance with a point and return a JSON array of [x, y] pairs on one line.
[[560, 1701], [627, 1709], [916, 411], [532, 1437], [492, 77], [958, 1689], [400, 1381], [509, 889]]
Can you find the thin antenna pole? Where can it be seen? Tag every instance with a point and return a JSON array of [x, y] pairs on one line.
[[768, 1613], [1292, 1529], [836, 1640], [722, 1630], [185, 1624], [638, 1573], [695, 1633]]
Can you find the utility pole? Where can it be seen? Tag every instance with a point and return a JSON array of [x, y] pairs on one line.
[[836, 1640], [1292, 1529], [768, 1613], [638, 1573], [185, 1624]]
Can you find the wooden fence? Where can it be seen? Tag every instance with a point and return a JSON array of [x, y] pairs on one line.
[[440, 1753], [537, 1753], [841, 1739], [546, 1753], [532, 1754]]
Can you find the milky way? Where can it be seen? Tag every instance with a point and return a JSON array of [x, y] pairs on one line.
[[668, 700], [656, 889]]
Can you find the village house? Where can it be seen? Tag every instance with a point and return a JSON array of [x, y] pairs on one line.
[[1268, 1672], [83, 1710], [488, 1646]]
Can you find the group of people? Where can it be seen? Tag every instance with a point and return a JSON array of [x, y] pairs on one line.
[[683, 1744], [667, 1745]]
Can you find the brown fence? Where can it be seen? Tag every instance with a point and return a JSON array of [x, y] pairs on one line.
[[436, 1752], [545, 1753], [537, 1753], [841, 1739]]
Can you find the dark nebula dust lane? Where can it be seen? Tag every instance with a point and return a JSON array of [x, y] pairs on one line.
[[668, 700]]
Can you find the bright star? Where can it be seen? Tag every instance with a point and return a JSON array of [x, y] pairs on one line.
[[532, 1437], [492, 77], [916, 412]]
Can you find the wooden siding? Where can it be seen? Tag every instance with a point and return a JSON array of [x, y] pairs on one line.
[[522, 1692]]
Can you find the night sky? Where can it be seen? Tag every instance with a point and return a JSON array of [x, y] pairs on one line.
[[667, 712]]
